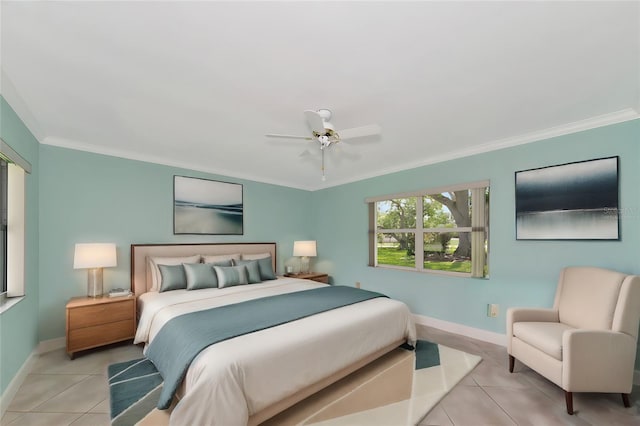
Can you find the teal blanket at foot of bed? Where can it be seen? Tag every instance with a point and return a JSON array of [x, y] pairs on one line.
[[182, 338]]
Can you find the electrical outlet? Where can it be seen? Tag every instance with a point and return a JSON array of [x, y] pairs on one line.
[[492, 310], [357, 284]]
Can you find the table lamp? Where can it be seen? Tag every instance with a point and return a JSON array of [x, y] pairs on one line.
[[94, 257], [304, 249]]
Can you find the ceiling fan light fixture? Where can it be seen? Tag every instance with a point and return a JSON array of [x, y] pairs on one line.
[[325, 133]]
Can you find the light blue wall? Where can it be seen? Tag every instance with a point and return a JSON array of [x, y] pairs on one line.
[[523, 273], [88, 197], [19, 325]]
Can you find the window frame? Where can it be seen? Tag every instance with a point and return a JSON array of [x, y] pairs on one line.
[[479, 226], [4, 186], [15, 254]]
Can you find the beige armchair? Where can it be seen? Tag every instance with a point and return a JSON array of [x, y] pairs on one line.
[[587, 342]]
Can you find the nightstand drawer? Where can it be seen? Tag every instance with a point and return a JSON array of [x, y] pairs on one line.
[[98, 335], [87, 316]]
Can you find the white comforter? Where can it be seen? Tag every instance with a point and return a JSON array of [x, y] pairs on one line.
[[234, 379]]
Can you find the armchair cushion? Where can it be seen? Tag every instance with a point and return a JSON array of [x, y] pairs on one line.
[[544, 336]]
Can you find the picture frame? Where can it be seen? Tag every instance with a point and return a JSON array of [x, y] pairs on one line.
[[209, 207], [571, 201]]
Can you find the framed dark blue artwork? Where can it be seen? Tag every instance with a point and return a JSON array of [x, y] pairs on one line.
[[574, 201]]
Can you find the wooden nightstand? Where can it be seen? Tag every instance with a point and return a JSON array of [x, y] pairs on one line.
[[93, 322], [314, 276]]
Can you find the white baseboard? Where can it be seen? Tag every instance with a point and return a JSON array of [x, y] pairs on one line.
[[16, 382], [464, 330], [477, 333], [51, 345]]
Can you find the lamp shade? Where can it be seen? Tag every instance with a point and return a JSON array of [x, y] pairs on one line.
[[101, 255], [304, 248]]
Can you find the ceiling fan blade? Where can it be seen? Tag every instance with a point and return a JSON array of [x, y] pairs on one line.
[[273, 135], [358, 132], [316, 123]]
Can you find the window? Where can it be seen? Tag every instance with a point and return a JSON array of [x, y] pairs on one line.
[[442, 230], [12, 221]]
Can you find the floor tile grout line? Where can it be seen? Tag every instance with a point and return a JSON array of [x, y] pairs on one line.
[[515, 422], [62, 391], [447, 414]]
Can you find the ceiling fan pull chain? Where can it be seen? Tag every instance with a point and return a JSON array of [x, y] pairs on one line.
[[323, 176]]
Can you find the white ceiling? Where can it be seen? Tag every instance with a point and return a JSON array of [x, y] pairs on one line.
[[198, 84]]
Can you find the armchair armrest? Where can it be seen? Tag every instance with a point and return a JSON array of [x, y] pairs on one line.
[[532, 314], [528, 315], [597, 361]]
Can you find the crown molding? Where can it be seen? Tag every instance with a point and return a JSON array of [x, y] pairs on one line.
[[80, 146], [16, 102], [616, 117]]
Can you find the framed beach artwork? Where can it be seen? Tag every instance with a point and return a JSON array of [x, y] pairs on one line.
[[202, 206], [574, 201]]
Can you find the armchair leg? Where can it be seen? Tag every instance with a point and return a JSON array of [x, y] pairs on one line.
[[569, 397], [511, 363], [625, 400]]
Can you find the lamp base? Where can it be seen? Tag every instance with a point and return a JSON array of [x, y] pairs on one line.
[[304, 265], [94, 282]]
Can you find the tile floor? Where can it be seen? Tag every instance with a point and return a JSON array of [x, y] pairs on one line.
[[59, 391], [490, 395]]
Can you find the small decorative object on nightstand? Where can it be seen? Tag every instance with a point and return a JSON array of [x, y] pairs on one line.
[[314, 276], [94, 322]]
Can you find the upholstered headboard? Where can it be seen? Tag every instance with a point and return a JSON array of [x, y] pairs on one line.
[[140, 275]]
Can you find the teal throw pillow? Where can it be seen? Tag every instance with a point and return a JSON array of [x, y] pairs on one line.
[[266, 269], [229, 276], [253, 270], [200, 275], [173, 277]]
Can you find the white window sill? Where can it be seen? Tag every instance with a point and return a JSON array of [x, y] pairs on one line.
[[428, 271], [9, 302]]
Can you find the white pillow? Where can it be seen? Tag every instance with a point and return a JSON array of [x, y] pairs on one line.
[[255, 256], [219, 257], [156, 277]]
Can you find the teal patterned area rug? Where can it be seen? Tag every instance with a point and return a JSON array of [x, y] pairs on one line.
[[134, 389], [135, 386]]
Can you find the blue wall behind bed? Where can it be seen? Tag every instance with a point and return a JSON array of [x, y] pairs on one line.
[[522, 273], [89, 197]]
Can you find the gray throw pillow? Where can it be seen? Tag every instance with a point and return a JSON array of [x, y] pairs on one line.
[[253, 270], [229, 276], [173, 277], [266, 269], [200, 275]]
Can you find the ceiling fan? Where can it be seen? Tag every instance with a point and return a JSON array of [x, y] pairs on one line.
[[325, 133]]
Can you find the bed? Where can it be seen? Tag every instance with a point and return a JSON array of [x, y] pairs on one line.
[[250, 378]]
